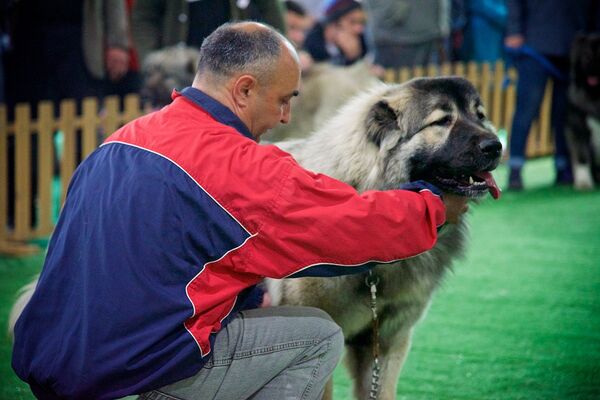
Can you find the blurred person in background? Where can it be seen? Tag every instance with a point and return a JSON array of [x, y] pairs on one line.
[[539, 38], [62, 49], [407, 33], [298, 23], [483, 35], [161, 23], [314, 8], [132, 80], [338, 37]]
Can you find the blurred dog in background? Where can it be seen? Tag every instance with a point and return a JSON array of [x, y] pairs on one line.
[[583, 118], [167, 69]]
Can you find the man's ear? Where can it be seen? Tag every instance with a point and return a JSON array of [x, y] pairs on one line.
[[244, 88]]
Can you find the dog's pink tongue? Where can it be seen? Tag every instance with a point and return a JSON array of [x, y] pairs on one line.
[[491, 184]]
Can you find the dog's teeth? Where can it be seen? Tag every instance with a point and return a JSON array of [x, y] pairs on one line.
[[471, 181]]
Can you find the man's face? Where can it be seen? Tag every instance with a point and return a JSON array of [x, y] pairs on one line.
[[297, 27], [272, 105], [354, 22]]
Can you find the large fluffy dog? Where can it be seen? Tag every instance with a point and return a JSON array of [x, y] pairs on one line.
[[583, 120], [432, 129]]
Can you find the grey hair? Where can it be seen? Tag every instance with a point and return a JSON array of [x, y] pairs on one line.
[[230, 50]]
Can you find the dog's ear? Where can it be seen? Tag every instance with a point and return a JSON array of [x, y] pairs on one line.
[[381, 121]]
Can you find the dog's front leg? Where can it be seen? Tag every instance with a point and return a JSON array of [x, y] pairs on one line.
[[328, 392], [391, 364]]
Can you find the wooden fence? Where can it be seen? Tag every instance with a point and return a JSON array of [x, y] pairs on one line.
[[31, 195]]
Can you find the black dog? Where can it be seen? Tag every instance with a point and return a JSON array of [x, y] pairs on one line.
[[583, 120]]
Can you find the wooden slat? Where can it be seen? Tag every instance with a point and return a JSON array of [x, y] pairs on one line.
[[132, 107], [497, 96], [45, 125], [89, 126], [545, 145], [110, 118], [3, 172], [69, 156], [405, 74], [22, 173], [509, 101], [473, 74], [418, 71], [484, 87], [459, 69], [389, 76], [446, 69], [433, 70], [533, 137]]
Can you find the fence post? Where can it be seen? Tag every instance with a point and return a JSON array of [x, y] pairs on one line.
[[405, 74], [22, 174], [497, 98], [110, 118], [46, 126], [510, 99], [473, 75], [484, 90], [459, 69], [68, 161], [89, 126], [389, 76], [446, 69], [3, 173]]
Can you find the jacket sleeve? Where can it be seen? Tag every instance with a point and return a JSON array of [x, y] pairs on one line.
[[315, 225]]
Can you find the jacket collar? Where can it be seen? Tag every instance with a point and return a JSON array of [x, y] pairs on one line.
[[217, 110]]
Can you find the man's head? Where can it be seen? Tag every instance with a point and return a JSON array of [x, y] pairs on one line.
[[298, 22], [253, 70]]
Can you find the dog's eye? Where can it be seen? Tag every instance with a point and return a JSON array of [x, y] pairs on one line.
[[444, 121], [480, 115]]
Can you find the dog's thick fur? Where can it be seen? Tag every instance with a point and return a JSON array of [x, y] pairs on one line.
[[583, 118], [432, 129]]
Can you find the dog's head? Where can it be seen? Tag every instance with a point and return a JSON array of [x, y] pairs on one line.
[[436, 129], [165, 70], [585, 61]]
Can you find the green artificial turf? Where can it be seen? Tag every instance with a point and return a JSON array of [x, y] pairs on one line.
[[519, 318]]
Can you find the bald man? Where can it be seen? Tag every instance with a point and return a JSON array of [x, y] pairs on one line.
[[150, 281]]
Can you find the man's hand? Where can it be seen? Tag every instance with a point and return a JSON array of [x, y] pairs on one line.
[[514, 41], [456, 206], [117, 63]]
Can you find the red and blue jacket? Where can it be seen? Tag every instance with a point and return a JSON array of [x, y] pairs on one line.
[[167, 228]]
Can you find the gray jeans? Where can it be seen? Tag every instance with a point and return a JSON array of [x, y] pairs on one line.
[[266, 353]]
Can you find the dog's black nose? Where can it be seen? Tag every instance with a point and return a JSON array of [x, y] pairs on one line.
[[491, 147]]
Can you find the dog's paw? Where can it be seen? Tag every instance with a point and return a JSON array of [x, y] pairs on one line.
[[583, 177]]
